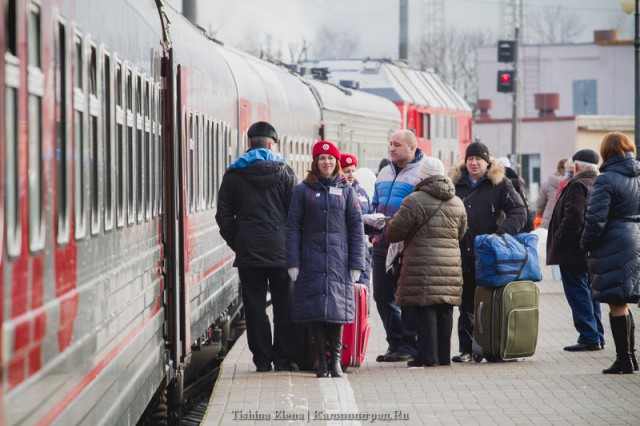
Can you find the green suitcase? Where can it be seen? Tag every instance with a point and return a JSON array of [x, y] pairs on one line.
[[506, 321]]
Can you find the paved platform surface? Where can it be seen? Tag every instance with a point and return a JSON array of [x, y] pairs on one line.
[[552, 387]]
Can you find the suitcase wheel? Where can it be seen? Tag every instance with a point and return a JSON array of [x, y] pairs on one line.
[[477, 358]]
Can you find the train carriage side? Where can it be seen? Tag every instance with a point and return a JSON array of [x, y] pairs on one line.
[[272, 93], [82, 312], [205, 290], [359, 122]]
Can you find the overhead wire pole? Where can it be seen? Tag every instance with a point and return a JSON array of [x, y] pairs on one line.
[[515, 122]]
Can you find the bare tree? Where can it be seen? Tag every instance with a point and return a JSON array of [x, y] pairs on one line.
[[552, 25], [452, 55], [332, 44], [298, 52]]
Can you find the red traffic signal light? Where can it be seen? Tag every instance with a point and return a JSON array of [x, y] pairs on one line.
[[505, 81]]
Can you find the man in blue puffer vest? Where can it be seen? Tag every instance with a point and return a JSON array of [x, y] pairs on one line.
[[395, 181], [253, 204]]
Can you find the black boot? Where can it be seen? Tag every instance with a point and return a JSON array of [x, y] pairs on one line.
[[334, 335], [320, 337], [632, 340], [620, 331]]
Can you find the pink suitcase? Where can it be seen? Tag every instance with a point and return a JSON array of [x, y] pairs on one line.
[[355, 336]]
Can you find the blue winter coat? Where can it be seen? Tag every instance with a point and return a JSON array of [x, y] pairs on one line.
[[325, 239], [611, 234], [366, 208]]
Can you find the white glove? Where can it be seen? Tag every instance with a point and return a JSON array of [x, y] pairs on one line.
[[375, 220], [355, 275], [293, 273]]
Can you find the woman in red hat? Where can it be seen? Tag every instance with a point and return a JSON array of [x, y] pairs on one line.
[[325, 253]]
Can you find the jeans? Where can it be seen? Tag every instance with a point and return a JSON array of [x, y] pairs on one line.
[[399, 324], [255, 282], [586, 312]]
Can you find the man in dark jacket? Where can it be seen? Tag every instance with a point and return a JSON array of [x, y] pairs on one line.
[[253, 203], [563, 248], [493, 207]]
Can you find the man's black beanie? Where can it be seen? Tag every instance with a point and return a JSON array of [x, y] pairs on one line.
[[264, 129], [478, 149]]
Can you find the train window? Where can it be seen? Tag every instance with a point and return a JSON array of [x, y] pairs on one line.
[[12, 212], [130, 189], [107, 87], [217, 149], [149, 151], [159, 148], [35, 165], [198, 163], [78, 138], [191, 177], [427, 126], [120, 147], [205, 163], [11, 33], [62, 143], [94, 140], [140, 150]]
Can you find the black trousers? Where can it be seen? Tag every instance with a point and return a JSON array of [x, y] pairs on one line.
[[435, 324], [465, 320], [255, 282]]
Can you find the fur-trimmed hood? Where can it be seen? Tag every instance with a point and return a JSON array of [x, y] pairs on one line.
[[495, 172]]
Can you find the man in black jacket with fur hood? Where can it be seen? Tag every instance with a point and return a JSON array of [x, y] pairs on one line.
[[493, 207], [253, 203]]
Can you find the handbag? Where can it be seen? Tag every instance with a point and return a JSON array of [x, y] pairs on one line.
[[504, 258], [396, 263]]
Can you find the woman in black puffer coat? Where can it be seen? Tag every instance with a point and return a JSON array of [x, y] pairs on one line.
[[611, 239]]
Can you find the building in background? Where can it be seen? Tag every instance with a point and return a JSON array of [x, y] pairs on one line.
[[571, 95]]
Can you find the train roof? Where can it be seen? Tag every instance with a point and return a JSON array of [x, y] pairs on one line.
[[394, 81], [340, 99]]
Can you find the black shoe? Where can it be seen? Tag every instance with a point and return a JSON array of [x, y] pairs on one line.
[[286, 367], [399, 356], [463, 357], [414, 364], [383, 357], [263, 368], [579, 347]]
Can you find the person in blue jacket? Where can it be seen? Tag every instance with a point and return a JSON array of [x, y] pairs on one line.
[[349, 164], [325, 253], [395, 181], [611, 239]]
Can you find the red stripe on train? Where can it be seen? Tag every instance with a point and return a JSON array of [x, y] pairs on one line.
[[211, 270]]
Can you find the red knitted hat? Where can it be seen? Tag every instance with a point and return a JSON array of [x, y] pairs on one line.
[[325, 147], [348, 160]]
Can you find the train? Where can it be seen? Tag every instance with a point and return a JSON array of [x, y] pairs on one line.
[[121, 118]]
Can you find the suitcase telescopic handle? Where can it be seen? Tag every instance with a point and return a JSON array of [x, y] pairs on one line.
[[480, 307]]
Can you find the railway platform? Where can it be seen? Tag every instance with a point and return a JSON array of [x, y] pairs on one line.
[[552, 387]]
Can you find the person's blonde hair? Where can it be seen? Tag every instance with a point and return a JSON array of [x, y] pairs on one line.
[[615, 143]]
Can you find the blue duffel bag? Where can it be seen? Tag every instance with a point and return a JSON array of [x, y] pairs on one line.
[[504, 258]]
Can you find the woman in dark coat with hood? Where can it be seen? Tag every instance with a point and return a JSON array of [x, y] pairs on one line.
[[325, 253], [611, 238]]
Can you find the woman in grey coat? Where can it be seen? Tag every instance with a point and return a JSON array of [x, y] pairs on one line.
[[325, 253], [431, 274]]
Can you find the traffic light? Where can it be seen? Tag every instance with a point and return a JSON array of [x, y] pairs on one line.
[[505, 81], [506, 50]]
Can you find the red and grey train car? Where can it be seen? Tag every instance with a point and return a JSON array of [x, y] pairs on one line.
[[439, 116], [120, 120]]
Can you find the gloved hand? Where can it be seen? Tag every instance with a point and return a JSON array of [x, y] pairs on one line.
[[293, 273], [355, 275], [375, 220], [537, 221]]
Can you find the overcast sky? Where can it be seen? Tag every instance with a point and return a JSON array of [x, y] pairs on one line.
[[374, 23]]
